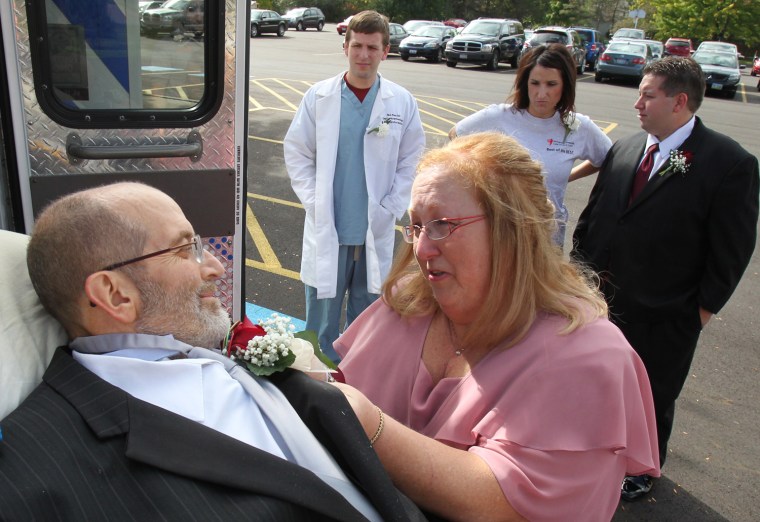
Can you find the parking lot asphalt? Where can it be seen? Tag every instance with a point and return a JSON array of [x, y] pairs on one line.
[[714, 459]]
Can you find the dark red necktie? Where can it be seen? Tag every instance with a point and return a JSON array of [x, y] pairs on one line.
[[642, 174]]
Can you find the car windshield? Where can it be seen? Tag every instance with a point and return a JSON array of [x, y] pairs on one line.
[[719, 59], [627, 48], [629, 33], [548, 38], [714, 46], [178, 5], [432, 31], [485, 28], [678, 43], [295, 12], [585, 35]]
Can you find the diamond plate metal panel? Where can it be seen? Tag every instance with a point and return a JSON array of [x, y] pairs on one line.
[[46, 140]]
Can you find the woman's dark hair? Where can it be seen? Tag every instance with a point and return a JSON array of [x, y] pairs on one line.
[[554, 56]]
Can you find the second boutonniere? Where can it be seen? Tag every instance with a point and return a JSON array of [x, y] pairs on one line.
[[273, 345], [382, 129], [571, 124], [680, 161]]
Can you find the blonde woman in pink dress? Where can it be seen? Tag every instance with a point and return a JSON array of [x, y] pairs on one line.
[[488, 377]]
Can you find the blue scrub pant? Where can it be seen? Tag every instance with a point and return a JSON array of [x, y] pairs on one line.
[[323, 315]]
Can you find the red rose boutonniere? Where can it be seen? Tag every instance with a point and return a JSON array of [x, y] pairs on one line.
[[680, 161], [272, 346]]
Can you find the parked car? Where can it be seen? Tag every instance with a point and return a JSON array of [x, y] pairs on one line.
[[176, 17], [725, 47], [265, 21], [623, 59], [657, 48], [397, 34], [755, 67], [678, 47], [301, 18], [487, 41], [721, 70], [427, 42], [629, 33], [343, 26], [562, 35], [456, 23], [594, 43], [143, 5], [411, 25]]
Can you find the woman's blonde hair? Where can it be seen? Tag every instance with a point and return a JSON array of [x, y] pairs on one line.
[[529, 274]]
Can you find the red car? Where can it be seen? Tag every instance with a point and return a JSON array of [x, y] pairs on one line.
[[455, 22], [343, 26], [755, 67], [678, 47]]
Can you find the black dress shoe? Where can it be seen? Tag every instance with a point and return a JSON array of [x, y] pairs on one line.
[[636, 487]]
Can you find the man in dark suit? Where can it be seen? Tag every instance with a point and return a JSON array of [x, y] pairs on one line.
[[670, 227], [118, 432]]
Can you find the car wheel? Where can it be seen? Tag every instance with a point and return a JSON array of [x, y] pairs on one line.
[[581, 65], [493, 63], [254, 30], [438, 56], [179, 29], [514, 61], [405, 57], [281, 30], [753, 73], [590, 65], [299, 26], [597, 77], [320, 25], [449, 63]]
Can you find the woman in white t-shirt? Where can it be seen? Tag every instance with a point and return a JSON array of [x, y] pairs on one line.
[[540, 115]]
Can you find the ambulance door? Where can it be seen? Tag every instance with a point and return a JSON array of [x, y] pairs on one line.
[[100, 91]]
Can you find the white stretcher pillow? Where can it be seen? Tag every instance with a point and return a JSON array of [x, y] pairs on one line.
[[28, 334]]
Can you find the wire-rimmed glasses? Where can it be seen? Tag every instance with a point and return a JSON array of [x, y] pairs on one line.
[[438, 229], [197, 252]]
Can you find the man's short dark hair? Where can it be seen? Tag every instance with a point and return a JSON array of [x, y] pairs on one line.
[[679, 75], [369, 22]]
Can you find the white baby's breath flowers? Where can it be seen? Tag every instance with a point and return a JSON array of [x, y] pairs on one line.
[[266, 350], [679, 163]]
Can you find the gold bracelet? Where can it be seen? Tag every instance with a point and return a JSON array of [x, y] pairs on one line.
[[379, 427]]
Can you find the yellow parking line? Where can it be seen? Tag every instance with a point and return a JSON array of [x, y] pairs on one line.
[[253, 101], [284, 272], [260, 239], [262, 108], [460, 103], [275, 200], [441, 108], [288, 86], [609, 127], [264, 139], [435, 130], [744, 93], [436, 116], [275, 94], [182, 94]]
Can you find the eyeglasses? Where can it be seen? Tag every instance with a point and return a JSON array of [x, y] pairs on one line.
[[197, 251], [437, 229]]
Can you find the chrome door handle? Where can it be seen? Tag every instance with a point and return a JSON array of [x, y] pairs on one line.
[[192, 148]]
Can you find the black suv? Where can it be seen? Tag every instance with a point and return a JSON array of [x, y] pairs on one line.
[[304, 17], [487, 41]]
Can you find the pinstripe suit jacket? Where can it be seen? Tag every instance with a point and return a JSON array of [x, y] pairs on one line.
[[81, 449]]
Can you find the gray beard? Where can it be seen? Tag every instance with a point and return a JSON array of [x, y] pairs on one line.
[[181, 314]]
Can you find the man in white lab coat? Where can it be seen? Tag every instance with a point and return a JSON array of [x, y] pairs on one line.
[[351, 153]]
